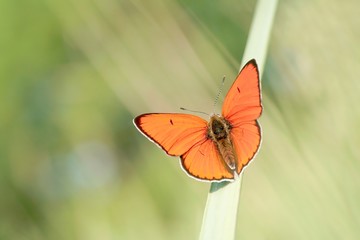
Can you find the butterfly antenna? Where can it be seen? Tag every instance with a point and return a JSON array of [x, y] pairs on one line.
[[185, 109], [218, 95]]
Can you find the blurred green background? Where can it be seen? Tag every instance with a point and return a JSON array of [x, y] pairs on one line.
[[73, 74]]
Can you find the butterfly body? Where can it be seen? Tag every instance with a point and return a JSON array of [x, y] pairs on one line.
[[218, 149], [219, 132]]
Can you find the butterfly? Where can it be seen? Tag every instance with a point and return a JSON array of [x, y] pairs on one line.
[[218, 149]]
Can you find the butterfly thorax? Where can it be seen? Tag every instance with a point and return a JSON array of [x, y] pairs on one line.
[[219, 132]]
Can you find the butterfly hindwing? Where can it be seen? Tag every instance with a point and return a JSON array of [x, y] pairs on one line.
[[246, 140], [203, 161]]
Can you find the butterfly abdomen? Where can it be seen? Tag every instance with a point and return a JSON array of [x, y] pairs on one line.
[[219, 132], [226, 151]]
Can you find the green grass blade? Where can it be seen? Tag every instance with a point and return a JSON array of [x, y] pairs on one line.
[[219, 220]]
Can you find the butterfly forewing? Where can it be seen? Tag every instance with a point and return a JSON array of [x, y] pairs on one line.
[[174, 132], [243, 101]]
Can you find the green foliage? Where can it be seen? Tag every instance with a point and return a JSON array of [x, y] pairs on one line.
[[73, 74]]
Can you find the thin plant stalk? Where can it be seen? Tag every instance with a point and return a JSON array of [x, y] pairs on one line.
[[219, 220]]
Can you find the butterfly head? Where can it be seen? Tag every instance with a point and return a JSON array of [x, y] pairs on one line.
[[218, 127]]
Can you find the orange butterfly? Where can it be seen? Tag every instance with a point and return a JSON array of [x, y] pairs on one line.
[[217, 150]]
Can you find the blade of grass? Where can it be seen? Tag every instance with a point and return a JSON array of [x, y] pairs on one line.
[[219, 220]]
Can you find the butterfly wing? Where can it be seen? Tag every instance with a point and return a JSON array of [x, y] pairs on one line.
[[246, 140], [202, 161], [241, 108], [243, 101], [185, 135], [175, 133]]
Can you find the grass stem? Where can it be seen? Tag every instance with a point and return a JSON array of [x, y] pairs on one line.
[[219, 220]]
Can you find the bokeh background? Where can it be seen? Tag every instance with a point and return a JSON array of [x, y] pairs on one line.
[[74, 73]]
